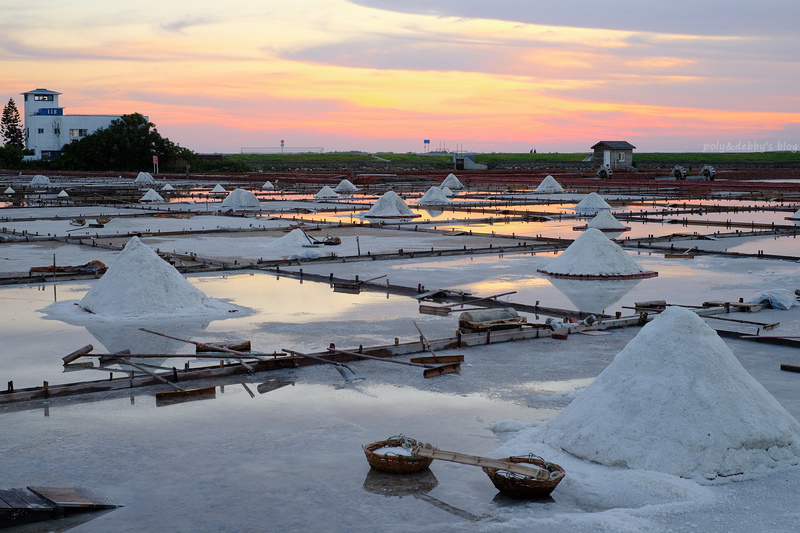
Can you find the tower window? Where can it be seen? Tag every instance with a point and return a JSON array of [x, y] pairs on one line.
[[76, 133], [43, 97], [41, 130]]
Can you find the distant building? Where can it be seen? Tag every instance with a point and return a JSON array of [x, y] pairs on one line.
[[615, 154], [48, 129]]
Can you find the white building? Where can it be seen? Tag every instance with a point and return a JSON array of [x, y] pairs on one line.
[[48, 129]]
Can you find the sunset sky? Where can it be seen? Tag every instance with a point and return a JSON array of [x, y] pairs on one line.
[[488, 76]]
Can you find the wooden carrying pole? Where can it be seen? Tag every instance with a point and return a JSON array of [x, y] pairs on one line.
[[476, 460], [430, 371]]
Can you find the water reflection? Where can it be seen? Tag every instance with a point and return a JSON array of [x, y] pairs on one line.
[[117, 336], [594, 296]]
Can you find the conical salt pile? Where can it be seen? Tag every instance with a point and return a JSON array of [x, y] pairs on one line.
[[151, 196], [326, 192], [9, 191], [604, 220], [144, 178], [549, 185], [241, 199], [452, 182], [39, 180], [594, 255], [389, 205], [676, 400], [346, 186], [591, 204], [141, 284], [433, 196], [168, 188], [448, 192], [795, 216], [268, 186], [293, 245], [218, 189], [63, 194]]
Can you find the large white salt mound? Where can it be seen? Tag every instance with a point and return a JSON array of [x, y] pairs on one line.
[[151, 196], [268, 186], [144, 178], [326, 192], [676, 400], [389, 205], [346, 186], [592, 254], [549, 185], [433, 196], [452, 181], [218, 189], [39, 180], [141, 284], [293, 245], [591, 204], [241, 199], [605, 220]]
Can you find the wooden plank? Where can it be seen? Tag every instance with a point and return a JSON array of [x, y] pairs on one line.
[[439, 359], [78, 353], [24, 499], [75, 497], [790, 368], [475, 460]]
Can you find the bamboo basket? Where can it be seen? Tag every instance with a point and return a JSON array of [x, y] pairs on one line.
[[524, 487], [397, 464]]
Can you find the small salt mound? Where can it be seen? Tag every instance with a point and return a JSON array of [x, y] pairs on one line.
[[433, 196], [346, 186], [241, 199], [9, 191], [592, 254], [168, 188], [591, 204], [447, 192], [144, 178], [393, 450], [293, 245], [549, 185], [151, 196], [452, 182], [268, 186], [389, 205], [326, 192], [605, 220], [40, 180], [63, 194], [676, 400], [141, 284], [796, 215], [776, 298], [218, 189]]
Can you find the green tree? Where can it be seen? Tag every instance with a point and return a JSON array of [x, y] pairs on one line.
[[10, 156], [128, 144], [11, 126]]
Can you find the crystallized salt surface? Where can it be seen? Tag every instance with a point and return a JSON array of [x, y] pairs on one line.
[[389, 205], [144, 178], [151, 196], [38, 179], [675, 400], [593, 254], [433, 196], [591, 204], [605, 220], [346, 186], [141, 284], [241, 199], [168, 187], [452, 182], [549, 185], [268, 185], [293, 245], [218, 189], [326, 192]]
